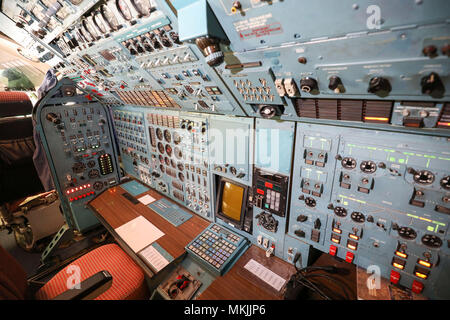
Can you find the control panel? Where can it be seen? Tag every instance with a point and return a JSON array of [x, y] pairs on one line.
[[329, 136], [78, 140]]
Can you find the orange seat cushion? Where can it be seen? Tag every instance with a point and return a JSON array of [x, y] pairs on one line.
[[128, 278]]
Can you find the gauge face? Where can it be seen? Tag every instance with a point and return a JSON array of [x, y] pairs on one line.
[[142, 6], [161, 148], [169, 150], [110, 18], [124, 9], [90, 28], [167, 136], [76, 2], [159, 133], [84, 34], [445, 182], [424, 177], [176, 138], [99, 22], [62, 13]]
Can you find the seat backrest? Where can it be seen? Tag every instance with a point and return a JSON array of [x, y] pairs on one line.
[[18, 176], [13, 279]]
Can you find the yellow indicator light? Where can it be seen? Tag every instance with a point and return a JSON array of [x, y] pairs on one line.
[[350, 246], [420, 275], [335, 240], [354, 237], [424, 263], [444, 123], [398, 265], [401, 254], [377, 119], [337, 230]]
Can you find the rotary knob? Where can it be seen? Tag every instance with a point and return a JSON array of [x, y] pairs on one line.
[[379, 84]]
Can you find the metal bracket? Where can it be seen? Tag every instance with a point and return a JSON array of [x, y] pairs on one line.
[[65, 233]]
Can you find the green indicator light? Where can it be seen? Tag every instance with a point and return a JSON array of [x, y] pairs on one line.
[[441, 158], [371, 148], [389, 150], [401, 160], [430, 228], [392, 159], [439, 223], [427, 156], [412, 216], [428, 163], [408, 153]]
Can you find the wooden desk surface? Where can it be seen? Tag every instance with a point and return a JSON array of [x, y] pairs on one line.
[[116, 210], [240, 284]]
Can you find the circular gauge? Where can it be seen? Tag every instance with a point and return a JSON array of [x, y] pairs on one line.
[[167, 161], [159, 133], [178, 153], [173, 164], [181, 176], [76, 2], [445, 182], [162, 168], [161, 148], [90, 28], [110, 18], [142, 6], [124, 9], [161, 159], [169, 150], [167, 136], [176, 138], [180, 166], [99, 22], [84, 34]]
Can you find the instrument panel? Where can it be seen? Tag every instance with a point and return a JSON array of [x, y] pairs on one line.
[[335, 127]]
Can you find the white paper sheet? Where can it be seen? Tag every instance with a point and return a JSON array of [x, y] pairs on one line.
[[147, 199], [139, 233], [265, 274], [154, 258]]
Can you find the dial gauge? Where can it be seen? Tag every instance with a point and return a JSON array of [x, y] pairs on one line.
[[124, 9], [110, 18], [99, 22], [76, 2], [84, 34], [142, 6], [90, 28]]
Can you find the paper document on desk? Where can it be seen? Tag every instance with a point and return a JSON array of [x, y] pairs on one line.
[[265, 274], [154, 258], [147, 199], [139, 233]]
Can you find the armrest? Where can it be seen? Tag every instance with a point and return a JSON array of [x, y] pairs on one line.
[[90, 288]]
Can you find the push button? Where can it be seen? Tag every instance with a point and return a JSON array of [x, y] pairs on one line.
[[417, 286], [349, 257], [333, 250], [395, 277]]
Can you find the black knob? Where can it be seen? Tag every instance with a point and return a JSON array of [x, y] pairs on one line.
[[335, 84], [432, 85], [308, 84], [370, 219], [379, 84], [302, 218]]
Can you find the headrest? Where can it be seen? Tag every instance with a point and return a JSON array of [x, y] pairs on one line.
[[14, 103]]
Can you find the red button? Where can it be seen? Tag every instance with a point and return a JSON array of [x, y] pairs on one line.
[[269, 185], [395, 277], [349, 257], [333, 250], [260, 191], [417, 286]]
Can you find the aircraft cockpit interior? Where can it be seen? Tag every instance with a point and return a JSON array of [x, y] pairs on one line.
[[227, 151]]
